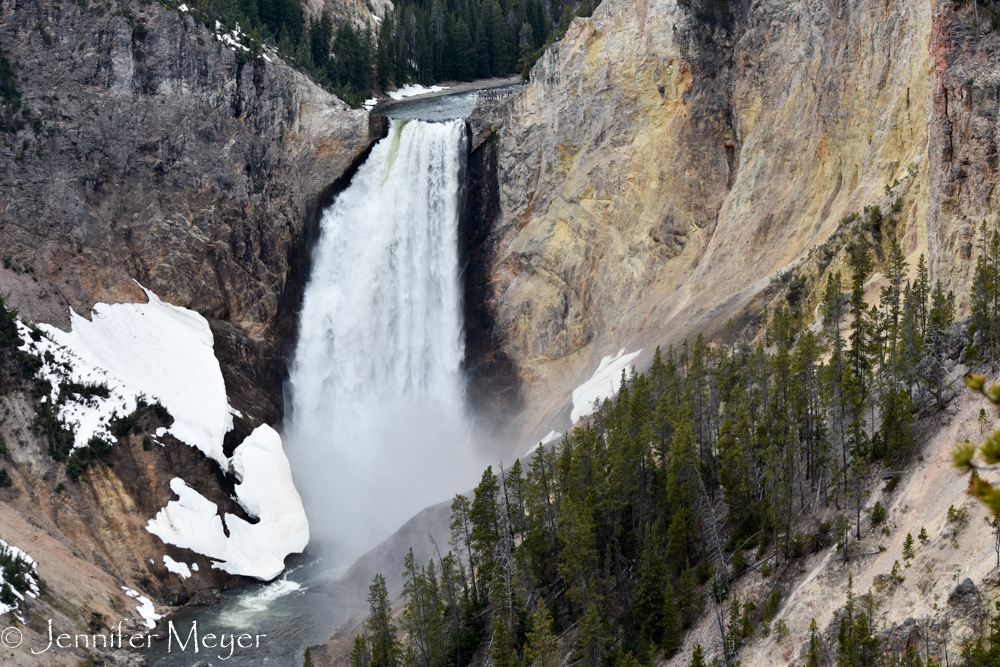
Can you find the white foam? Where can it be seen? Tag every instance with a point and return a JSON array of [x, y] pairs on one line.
[[413, 90]]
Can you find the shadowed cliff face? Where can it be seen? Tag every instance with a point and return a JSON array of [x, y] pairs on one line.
[[656, 173], [158, 156], [963, 150], [153, 155]]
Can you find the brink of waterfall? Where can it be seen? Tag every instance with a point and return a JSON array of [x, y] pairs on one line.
[[377, 426]]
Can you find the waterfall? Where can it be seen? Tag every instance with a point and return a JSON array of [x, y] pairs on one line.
[[376, 427]]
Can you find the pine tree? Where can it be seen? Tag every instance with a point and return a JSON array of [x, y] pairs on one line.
[[542, 649], [648, 603], [461, 535], [360, 653], [590, 650], [939, 318], [697, 657], [921, 294], [688, 600], [385, 648], [911, 658], [814, 657], [672, 635], [320, 34], [308, 660], [908, 547]]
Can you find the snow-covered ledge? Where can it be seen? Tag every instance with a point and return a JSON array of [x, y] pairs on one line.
[[166, 353], [265, 491]]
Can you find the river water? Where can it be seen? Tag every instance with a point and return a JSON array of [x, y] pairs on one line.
[[375, 413]]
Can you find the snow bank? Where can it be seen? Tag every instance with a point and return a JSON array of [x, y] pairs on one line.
[[265, 491], [87, 416], [549, 437], [602, 384], [163, 351], [9, 553], [177, 568], [415, 89], [370, 103], [145, 608]]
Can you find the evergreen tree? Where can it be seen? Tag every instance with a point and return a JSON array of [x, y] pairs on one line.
[[542, 649], [320, 34], [697, 657], [672, 634], [361, 655], [381, 629], [939, 318], [814, 657], [590, 650]]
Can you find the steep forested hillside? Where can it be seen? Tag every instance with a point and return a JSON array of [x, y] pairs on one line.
[[424, 41], [740, 455]]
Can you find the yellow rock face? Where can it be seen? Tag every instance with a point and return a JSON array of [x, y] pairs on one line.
[[654, 175]]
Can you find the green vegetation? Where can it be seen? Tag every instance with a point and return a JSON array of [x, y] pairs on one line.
[[420, 41], [17, 575], [614, 529], [19, 370], [10, 97]]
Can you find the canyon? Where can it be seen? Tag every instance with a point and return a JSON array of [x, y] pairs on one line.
[[659, 176]]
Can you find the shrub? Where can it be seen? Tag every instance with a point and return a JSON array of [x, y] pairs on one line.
[[878, 514], [5, 480], [770, 609], [96, 449]]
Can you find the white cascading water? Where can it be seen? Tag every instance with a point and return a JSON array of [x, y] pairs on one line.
[[377, 427]]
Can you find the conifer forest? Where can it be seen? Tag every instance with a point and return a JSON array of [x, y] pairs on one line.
[[747, 453]]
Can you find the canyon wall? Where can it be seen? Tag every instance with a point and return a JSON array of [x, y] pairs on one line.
[[151, 153], [156, 154], [658, 171]]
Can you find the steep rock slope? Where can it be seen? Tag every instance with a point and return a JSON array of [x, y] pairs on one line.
[[962, 153], [360, 13], [159, 155], [152, 154], [655, 173]]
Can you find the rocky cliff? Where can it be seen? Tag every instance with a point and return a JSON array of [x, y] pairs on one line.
[[661, 168], [154, 153], [145, 151]]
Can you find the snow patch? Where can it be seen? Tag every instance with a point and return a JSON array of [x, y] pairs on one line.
[[184, 8], [370, 103], [177, 568], [88, 416], [265, 491], [163, 351], [549, 437], [145, 608], [602, 384], [415, 89], [9, 554]]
